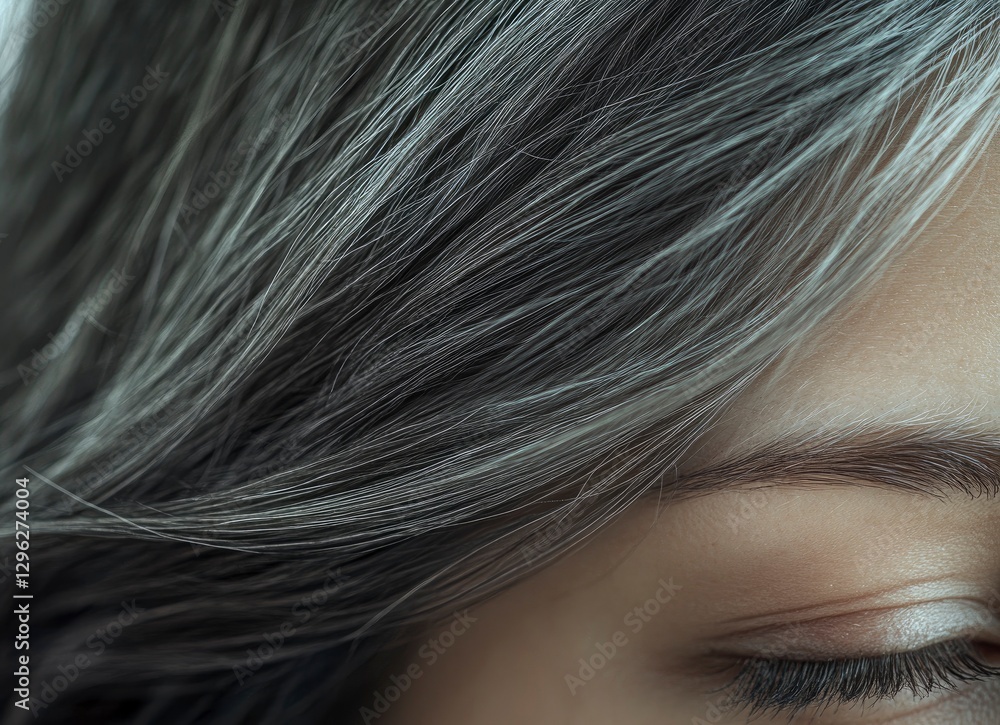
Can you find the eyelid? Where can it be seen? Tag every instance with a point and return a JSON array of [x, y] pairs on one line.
[[868, 633], [790, 687]]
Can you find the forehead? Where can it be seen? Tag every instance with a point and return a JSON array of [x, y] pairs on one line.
[[924, 342]]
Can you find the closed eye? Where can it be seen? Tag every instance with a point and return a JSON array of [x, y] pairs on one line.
[[788, 687]]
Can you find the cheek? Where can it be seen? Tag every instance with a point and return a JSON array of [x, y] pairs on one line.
[[564, 647], [527, 663], [506, 668]]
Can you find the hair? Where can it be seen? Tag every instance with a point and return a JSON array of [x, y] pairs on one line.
[[343, 316]]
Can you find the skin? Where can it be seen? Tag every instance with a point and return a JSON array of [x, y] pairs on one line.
[[848, 564]]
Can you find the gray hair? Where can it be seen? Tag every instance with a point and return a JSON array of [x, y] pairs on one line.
[[399, 301]]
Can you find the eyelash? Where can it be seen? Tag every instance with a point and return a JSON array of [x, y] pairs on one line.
[[790, 686]]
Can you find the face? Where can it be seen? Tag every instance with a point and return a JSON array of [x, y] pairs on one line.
[[772, 589]]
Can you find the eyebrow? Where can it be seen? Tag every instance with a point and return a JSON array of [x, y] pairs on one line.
[[930, 459]]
